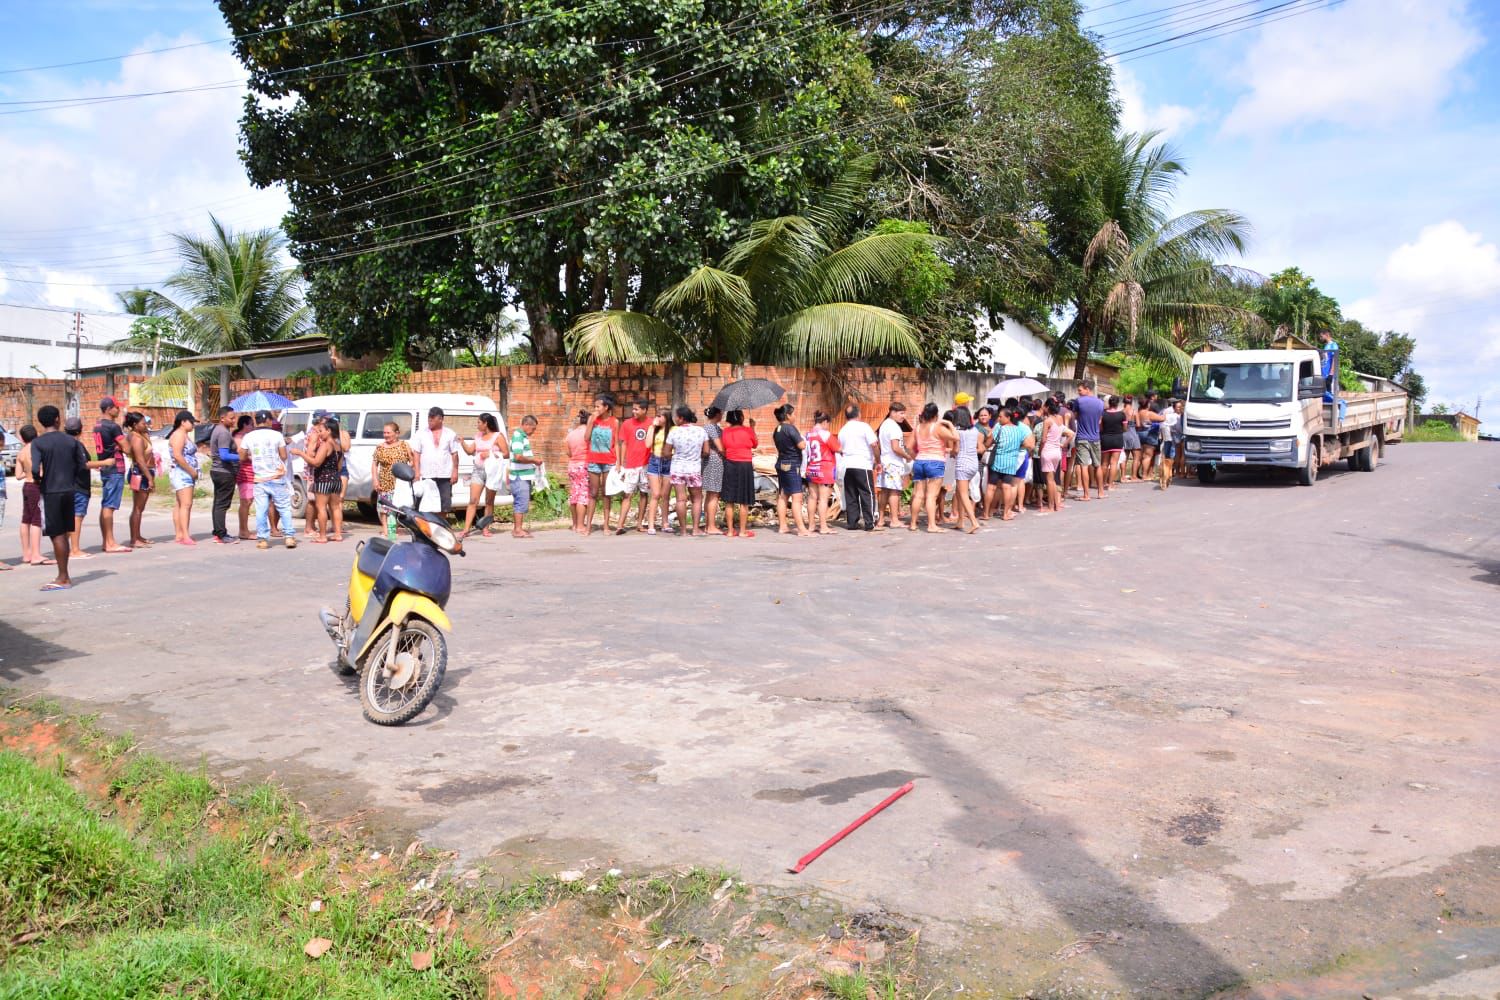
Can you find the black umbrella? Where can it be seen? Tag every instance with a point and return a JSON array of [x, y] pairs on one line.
[[748, 394]]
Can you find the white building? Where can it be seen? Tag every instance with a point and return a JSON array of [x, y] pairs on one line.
[[38, 341], [1016, 350]]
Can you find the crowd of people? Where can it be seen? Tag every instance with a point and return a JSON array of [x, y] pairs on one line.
[[963, 467]]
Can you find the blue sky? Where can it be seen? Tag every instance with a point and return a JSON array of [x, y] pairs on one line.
[[1361, 139]]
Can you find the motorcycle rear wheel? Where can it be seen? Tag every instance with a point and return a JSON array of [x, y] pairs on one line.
[[388, 706]]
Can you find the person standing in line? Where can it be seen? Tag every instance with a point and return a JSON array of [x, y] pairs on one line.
[[822, 469], [223, 472], [687, 448], [142, 474], [657, 472], [109, 443], [182, 473], [858, 444], [1169, 423], [388, 453], [713, 468], [1132, 443], [894, 456], [789, 448], [244, 476], [523, 463], [933, 438], [632, 456], [965, 468], [83, 491], [265, 451], [739, 443], [58, 462], [1112, 440], [1150, 420], [1013, 442], [485, 476], [602, 430], [1056, 436], [1090, 410], [319, 456], [437, 452], [577, 443], [31, 503], [1179, 435]]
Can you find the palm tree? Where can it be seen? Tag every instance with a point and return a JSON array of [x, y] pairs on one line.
[[152, 335], [233, 291], [781, 295], [1148, 280]]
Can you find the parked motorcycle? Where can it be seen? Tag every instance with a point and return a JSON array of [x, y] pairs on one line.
[[393, 625]]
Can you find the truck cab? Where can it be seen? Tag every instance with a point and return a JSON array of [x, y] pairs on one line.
[[1274, 409]]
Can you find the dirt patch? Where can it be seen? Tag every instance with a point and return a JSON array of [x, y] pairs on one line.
[[1195, 826]]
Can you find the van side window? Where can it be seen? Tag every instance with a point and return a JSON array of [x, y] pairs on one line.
[[293, 424], [371, 430]]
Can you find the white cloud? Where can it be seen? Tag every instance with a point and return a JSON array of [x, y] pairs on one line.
[[93, 193], [1363, 64], [1444, 289], [1138, 116]]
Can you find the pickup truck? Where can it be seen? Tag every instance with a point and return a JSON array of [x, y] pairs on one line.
[[1272, 409]]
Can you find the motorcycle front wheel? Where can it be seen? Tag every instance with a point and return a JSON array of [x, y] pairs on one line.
[[392, 698]]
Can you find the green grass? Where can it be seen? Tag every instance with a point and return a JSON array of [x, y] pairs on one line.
[[187, 892], [1433, 430]]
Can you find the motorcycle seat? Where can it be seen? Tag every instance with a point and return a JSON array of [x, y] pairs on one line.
[[373, 554]]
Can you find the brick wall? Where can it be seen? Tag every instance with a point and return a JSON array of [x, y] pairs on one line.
[[20, 398]]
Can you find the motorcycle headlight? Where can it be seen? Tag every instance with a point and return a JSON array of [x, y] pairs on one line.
[[439, 534]]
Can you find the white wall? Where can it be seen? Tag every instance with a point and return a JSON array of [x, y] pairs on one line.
[[32, 335], [1015, 346]]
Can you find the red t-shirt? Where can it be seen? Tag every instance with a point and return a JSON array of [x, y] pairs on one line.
[[602, 441], [821, 449], [739, 444], [637, 447]]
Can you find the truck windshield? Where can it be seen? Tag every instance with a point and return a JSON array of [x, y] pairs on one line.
[[1261, 382]]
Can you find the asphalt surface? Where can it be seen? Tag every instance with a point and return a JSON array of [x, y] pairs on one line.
[[1162, 745]]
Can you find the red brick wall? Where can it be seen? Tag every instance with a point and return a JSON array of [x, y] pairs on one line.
[[17, 407]]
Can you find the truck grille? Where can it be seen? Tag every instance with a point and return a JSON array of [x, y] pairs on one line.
[[1235, 446], [1279, 424]]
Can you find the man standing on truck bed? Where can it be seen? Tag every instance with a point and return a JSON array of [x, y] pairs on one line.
[[1330, 365]]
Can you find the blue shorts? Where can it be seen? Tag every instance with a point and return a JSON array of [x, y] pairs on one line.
[[601, 468], [927, 468], [520, 494], [80, 503], [112, 489], [656, 467], [1169, 449], [790, 481]]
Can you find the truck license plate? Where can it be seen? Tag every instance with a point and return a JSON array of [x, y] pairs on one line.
[[1232, 459]]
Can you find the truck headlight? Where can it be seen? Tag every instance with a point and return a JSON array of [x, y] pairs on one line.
[[1193, 445], [1283, 444]]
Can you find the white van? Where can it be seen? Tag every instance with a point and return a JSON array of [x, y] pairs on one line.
[[364, 416]]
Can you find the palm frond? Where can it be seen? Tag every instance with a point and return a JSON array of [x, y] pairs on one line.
[[716, 299], [835, 208], [834, 332], [774, 257], [865, 265], [1110, 245], [619, 335]]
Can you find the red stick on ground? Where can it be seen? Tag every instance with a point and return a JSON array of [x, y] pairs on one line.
[[817, 852]]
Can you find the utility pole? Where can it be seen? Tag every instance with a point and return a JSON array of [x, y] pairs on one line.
[[78, 339]]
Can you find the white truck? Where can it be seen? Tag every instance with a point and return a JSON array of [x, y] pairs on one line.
[[1266, 409]]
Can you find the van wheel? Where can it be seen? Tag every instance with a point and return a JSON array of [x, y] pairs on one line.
[[299, 497], [1308, 474], [1207, 474]]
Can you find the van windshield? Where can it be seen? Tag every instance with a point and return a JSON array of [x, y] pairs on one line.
[[1258, 382]]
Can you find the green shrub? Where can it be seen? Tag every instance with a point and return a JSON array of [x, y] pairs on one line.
[[1433, 430]]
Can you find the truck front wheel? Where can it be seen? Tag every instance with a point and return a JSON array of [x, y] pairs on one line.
[[1308, 474], [1207, 474]]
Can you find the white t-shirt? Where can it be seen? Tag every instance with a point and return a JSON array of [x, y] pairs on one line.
[[890, 432], [857, 439], [687, 449], [264, 447], [435, 457]]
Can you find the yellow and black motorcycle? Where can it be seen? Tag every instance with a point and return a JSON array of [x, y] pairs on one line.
[[392, 627]]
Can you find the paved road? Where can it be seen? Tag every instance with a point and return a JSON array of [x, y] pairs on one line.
[[1218, 734]]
